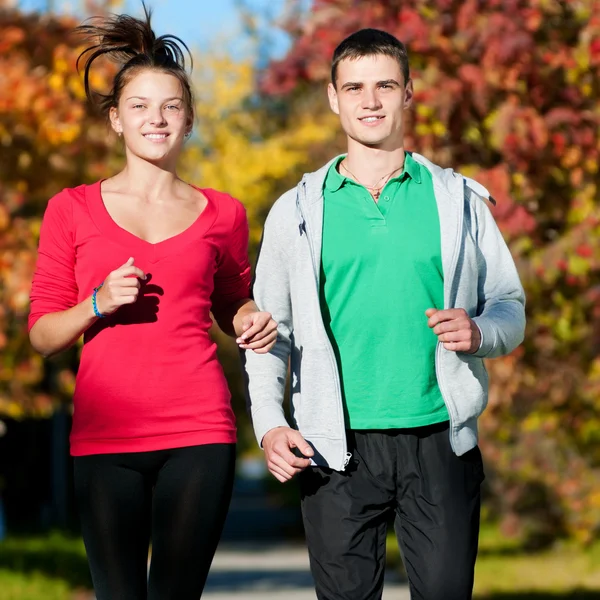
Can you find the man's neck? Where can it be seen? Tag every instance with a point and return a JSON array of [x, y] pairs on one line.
[[370, 164]]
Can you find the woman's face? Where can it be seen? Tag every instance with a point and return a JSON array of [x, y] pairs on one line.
[[152, 116]]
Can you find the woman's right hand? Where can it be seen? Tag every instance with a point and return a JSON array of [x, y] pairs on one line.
[[120, 287]]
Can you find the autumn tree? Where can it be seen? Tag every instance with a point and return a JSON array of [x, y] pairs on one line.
[[49, 139], [507, 91]]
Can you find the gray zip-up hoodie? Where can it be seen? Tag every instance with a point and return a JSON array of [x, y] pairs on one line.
[[479, 276]]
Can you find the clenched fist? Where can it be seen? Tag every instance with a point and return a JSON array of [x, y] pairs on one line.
[[455, 329], [120, 287]]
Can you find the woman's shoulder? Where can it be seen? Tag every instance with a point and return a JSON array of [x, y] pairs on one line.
[[221, 197], [70, 196], [229, 207]]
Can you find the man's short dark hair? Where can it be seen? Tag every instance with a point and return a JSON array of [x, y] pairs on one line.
[[369, 42]]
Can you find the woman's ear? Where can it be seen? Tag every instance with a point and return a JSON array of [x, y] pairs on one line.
[[113, 115]]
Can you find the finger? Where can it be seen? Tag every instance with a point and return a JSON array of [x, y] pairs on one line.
[[127, 299], [277, 461], [278, 473], [131, 271], [455, 336], [445, 315], [258, 326], [297, 441], [247, 322], [267, 340], [127, 263], [265, 349], [457, 346], [128, 282], [453, 325], [431, 311], [260, 332], [286, 459]]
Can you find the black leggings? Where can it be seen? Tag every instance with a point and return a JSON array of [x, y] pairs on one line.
[[177, 499]]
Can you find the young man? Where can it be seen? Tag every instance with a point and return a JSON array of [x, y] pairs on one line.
[[391, 283]]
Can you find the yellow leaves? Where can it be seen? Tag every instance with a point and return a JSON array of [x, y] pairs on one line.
[[238, 149], [4, 218], [13, 410], [24, 160], [584, 205], [472, 134], [571, 157], [424, 110], [61, 66], [518, 179], [578, 265], [591, 166], [56, 82], [438, 129], [75, 85], [221, 85]]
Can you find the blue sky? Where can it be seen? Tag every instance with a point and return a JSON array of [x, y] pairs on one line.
[[199, 23]]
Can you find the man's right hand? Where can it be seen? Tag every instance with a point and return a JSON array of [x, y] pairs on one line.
[[281, 461]]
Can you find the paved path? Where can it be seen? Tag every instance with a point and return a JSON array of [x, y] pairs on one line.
[[278, 572]]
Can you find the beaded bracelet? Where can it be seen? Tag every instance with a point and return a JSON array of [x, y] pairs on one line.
[[95, 304]]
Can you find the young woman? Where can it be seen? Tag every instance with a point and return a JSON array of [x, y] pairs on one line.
[[136, 263]]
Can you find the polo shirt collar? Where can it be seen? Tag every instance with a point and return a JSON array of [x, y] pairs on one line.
[[334, 180], [411, 168]]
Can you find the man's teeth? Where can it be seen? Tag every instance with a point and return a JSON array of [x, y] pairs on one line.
[[370, 119]]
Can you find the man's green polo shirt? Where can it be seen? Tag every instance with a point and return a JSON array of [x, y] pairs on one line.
[[381, 268]]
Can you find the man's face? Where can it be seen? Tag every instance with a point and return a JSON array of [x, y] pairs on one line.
[[370, 96]]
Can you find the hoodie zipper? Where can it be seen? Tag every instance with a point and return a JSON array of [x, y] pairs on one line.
[[439, 350], [304, 227]]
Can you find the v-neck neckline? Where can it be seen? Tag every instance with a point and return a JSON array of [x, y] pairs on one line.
[[151, 251]]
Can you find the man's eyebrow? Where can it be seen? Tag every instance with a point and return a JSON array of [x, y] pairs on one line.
[[352, 84]]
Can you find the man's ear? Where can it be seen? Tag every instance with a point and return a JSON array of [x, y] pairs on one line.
[[409, 92], [333, 98]]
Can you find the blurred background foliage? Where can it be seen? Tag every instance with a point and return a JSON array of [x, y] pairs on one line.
[[507, 92]]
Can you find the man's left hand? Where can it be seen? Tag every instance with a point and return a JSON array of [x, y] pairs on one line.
[[455, 329]]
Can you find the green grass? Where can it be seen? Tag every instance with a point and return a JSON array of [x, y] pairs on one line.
[[52, 567], [55, 568], [505, 571]]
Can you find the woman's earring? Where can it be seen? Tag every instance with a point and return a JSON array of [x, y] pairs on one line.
[[188, 135]]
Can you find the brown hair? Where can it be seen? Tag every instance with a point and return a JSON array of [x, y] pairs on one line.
[[368, 42], [132, 43]]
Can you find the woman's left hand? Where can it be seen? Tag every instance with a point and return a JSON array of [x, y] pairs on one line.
[[260, 332]]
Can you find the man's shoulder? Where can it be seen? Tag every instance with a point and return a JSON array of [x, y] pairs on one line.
[[285, 206], [447, 178]]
